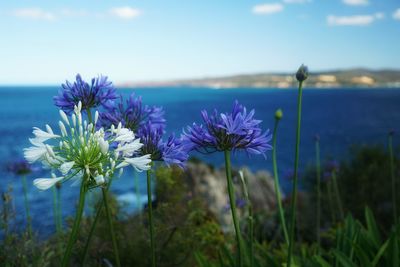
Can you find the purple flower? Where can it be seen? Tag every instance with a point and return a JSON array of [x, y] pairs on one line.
[[99, 93], [19, 167], [133, 115], [228, 131], [171, 152]]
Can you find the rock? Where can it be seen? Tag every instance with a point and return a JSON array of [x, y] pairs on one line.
[[210, 185]]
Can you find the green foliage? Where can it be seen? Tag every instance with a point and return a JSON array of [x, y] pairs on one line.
[[187, 234]]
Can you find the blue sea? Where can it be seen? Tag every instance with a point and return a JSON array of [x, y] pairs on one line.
[[340, 116]]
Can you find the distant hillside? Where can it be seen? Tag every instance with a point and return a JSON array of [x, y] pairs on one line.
[[327, 79]]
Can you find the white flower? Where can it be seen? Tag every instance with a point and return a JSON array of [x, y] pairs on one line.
[[35, 153], [84, 154], [66, 167], [46, 183], [139, 163], [125, 136], [42, 135], [129, 148]]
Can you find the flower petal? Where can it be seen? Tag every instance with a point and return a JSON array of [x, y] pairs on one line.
[[46, 183]]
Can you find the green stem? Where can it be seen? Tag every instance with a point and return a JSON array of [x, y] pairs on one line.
[[330, 197], [59, 213], [394, 198], [93, 227], [75, 228], [28, 216], [337, 194], [150, 213], [277, 186], [251, 233], [137, 192], [231, 192], [318, 170], [89, 115], [55, 214], [296, 166], [110, 225]]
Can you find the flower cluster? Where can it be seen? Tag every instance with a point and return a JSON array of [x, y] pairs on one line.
[[99, 92], [132, 114], [81, 151], [228, 131], [171, 152]]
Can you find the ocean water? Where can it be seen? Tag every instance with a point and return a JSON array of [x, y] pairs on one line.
[[340, 116]]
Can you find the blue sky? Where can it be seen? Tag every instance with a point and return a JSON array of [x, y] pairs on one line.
[[47, 41]]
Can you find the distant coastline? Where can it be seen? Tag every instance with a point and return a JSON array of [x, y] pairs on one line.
[[351, 78]]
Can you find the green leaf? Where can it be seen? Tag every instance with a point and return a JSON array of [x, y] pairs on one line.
[[380, 253], [229, 255], [201, 260], [393, 250], [372, 227], [343, 259], [321, 261]]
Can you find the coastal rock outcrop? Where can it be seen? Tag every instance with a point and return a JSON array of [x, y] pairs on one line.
[[209, 184]]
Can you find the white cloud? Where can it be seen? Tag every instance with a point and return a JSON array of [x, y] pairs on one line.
[[356, 20], [396, 14], [356, 2], [265, 9], [34, 13], [125, 12], [296, 1]]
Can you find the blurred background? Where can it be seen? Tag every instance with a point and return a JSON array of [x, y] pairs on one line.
[[192, 55]]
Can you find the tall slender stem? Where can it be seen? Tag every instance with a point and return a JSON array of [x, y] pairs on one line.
[[394, 198], [231, 192], [251, 233], [277, 186], [59, 213], [137, 192], [110, 225], [55, 214], [28, 216], [318, 170], [330, 197], [296, 166], [150, 213], [337, 194], [93, 226], [75, 227]]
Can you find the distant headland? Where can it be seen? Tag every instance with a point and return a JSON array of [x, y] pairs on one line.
[[349, 78]]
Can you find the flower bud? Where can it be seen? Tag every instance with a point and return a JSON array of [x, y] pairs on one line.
[[64, 117], [99, 179], [103, 146], [96, 117], [391, 132], [49, 130], [74, 120], [316, 138], [278, 114], [62, 128], [302, 73]]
